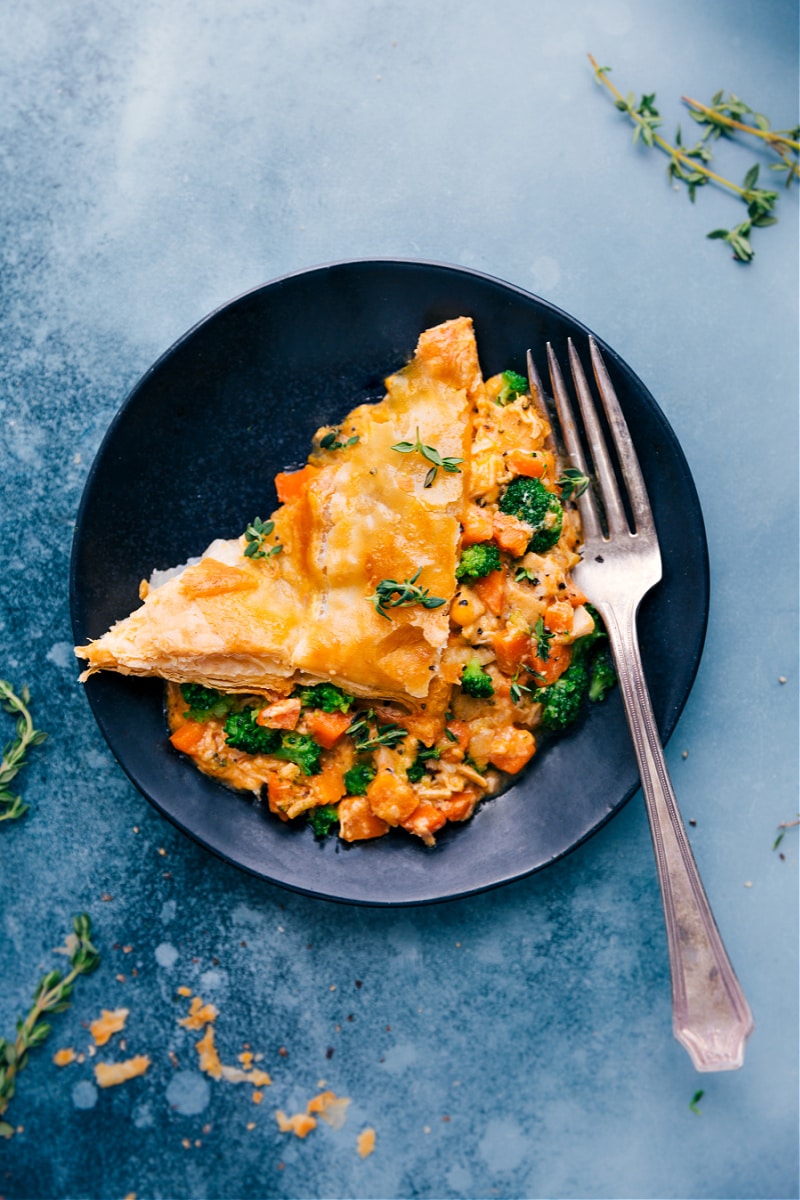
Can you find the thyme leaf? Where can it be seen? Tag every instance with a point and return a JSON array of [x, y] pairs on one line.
[[11, 806]]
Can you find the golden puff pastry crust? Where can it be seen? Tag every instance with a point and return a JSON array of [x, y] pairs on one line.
[[360, 515]]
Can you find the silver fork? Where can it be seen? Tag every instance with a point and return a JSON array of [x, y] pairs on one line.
[[619, 565]]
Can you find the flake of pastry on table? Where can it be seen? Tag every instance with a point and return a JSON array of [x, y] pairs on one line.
[[380, 651]]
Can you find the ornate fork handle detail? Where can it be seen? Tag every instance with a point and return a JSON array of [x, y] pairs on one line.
[[710, 1015]]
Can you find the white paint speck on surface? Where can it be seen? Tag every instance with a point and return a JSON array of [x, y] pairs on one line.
[[62, 654], [188, 1093], [166, 955], [84, 1094]]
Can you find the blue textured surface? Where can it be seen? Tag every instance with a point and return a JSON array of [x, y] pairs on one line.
[[163, 159]]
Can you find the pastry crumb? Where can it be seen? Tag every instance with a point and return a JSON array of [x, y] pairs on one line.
[[109, 1022], [111, 1074], [366, 1142]]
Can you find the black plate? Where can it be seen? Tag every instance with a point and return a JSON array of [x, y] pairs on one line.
[[191, 455]]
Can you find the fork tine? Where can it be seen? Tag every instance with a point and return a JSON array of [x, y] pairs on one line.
[[592, 529], [629, 462], [615, 513]]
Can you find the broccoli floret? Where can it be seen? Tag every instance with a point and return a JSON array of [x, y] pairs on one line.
[[475, 681], [479, 560], [323, 819], [602, 678], [590, 673], [326, 696], [562, 701], [358, 779], [242, 732], [419, 768], [513, 385], [204, 702], [529, 501], [301, 749]]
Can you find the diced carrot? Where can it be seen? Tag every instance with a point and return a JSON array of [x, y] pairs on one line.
[[391, 798], [466, 607], [511, 534], [326, 728], [283, 714], [424, 821], [510, 645], [477, 525], [188, 737], [556, 663], [290, 485], [460, 805], [279, 794], [522, 462], [574, 594], [558, 616], [357, 821], [511, 749], [462, 732], [491, 591]]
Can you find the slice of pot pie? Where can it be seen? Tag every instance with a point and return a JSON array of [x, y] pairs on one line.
[[384, 650], [352, 579]]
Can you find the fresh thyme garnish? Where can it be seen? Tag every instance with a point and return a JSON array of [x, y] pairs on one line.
[[364, 739], [543, 637], [432, 455], [516, 690], [256, 535], [573, 483], [391, 594], [52, 995], [695, 1100], [331, 441], [690, 165], [11, 806]]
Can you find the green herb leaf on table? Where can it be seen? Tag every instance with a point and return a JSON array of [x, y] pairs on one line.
[[11, 805]]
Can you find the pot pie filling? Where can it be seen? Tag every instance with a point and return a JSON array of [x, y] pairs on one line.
[[383, 651]]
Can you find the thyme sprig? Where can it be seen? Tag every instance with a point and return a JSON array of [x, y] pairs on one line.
[[432, 455], [573, 483], [256, 536], [542, 638], [332, 441], [52, 995], [391, 594], [727, 117], [367, 735], [11, 806], [690, 165]]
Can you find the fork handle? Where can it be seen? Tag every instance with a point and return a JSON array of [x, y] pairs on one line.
[[710, 1015]]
